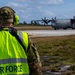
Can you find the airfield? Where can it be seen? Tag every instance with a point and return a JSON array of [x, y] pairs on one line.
[[44, 31], [56, 48]]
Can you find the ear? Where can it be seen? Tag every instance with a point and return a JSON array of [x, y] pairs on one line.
[[16, 19]]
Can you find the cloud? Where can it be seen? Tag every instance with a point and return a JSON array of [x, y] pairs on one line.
[[17, 5], [20, 7], [51, 2], [13, 4], [49, 14], [43, 1], [26, 8], [20, 0], [25, 0]]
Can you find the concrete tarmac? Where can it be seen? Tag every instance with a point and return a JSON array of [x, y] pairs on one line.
[[44, 33]]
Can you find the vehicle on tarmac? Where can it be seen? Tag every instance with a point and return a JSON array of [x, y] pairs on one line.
[[63, 23]]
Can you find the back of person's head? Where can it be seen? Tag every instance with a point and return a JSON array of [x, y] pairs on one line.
[[7, 15]]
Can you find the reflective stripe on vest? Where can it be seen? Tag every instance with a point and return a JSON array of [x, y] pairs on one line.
[[17, 74], [13, 59]]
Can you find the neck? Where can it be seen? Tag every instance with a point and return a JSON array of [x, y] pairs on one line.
[[7, 25]]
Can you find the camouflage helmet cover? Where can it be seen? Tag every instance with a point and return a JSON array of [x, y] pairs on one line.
[[6, 14]]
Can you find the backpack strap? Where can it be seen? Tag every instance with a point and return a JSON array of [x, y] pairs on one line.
[[13, 32]]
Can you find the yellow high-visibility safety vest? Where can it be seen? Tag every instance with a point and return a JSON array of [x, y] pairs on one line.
[[13, 59]]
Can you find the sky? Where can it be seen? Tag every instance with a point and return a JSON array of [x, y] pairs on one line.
[[28, 10]]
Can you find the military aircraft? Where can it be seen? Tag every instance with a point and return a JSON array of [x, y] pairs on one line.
[[63, 23], [44, 21]]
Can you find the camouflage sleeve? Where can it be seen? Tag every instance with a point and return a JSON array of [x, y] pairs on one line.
[[34, 60]]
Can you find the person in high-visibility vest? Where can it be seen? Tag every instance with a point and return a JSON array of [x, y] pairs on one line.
[[18, 55]]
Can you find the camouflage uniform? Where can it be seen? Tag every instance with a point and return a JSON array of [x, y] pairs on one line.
[[34, 60]]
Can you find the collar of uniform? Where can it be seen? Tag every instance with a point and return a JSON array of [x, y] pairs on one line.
[[4, 28]]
